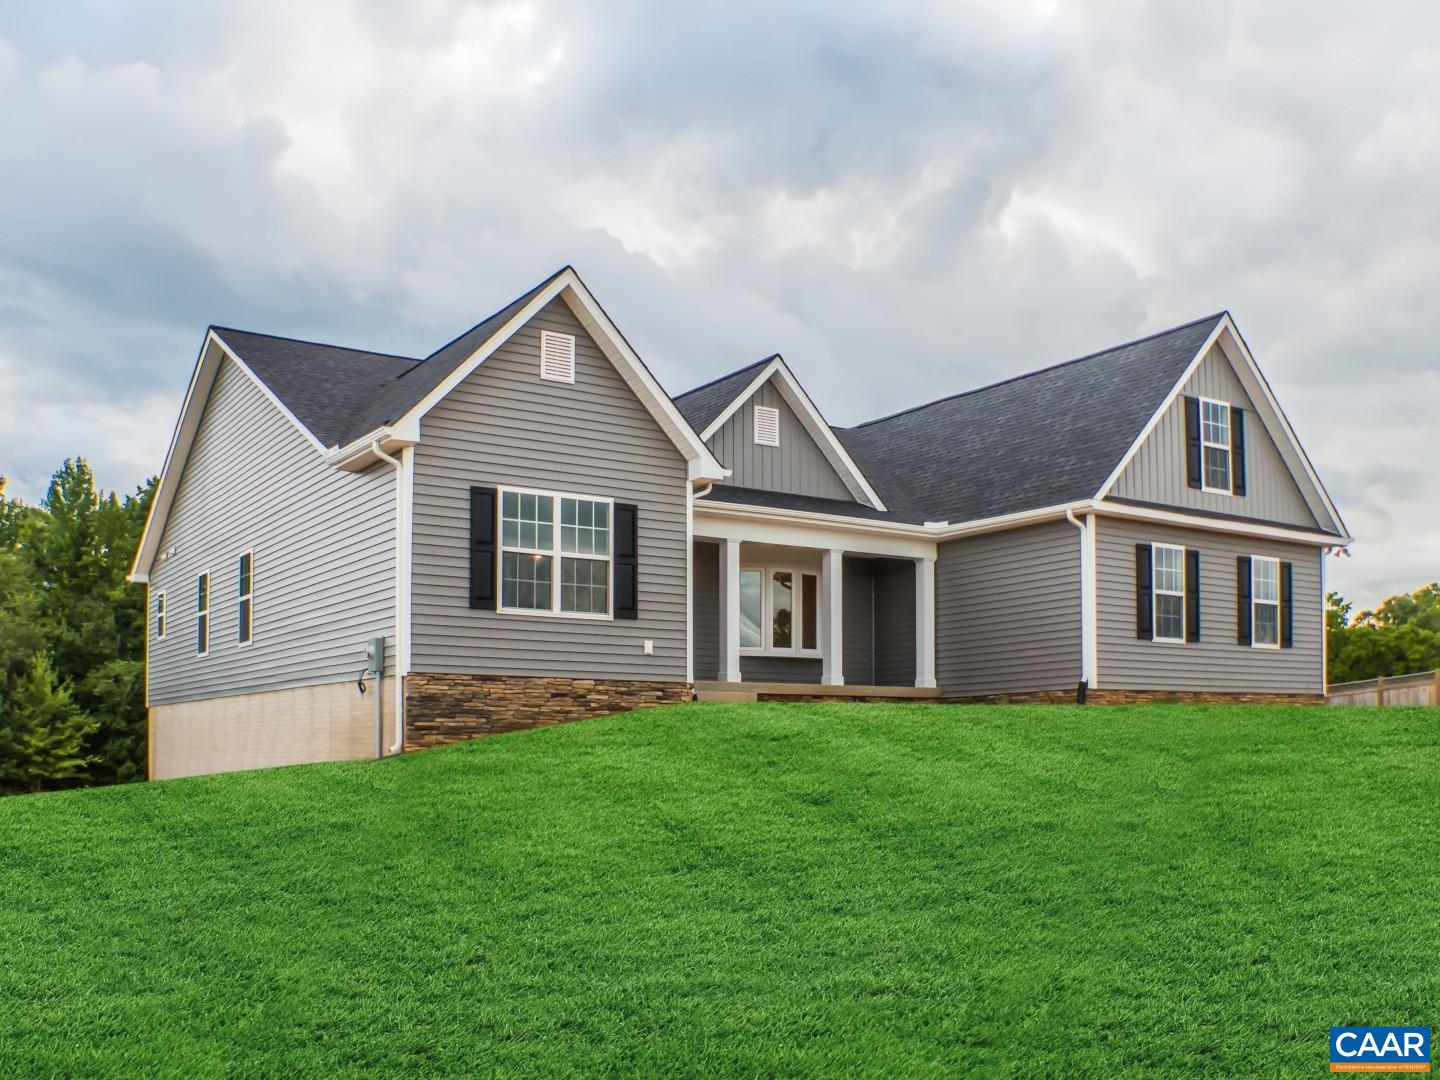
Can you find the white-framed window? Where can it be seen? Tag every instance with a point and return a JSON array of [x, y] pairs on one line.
[[767, 426], [1168, 588], [1215, 447], [202, 613], [245, 599], [160, 615], [779, 611], [1264, 602], [557, 356], [556, 554]]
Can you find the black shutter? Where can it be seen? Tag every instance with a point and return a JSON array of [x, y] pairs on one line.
[[1287, 607], [1192, 595], [1192, 440], [482, 548], [1144, 594], [1242, 600], [627, 561], [1237, 450]]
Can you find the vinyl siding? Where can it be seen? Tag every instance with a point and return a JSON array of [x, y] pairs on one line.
[[504, 425], [705, 595], [1007, 611], [797, 466], [1216, 662], [857, 614], [1158, 472], [894, 630], [323, 544], [787, 669]]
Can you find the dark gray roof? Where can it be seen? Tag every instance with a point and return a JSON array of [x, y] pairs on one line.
[[703, 404], [341, 394], [779, 500], [1048, 437], [323, 385]]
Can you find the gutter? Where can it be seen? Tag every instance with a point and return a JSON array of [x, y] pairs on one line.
[[401, 573], [1089, 608]]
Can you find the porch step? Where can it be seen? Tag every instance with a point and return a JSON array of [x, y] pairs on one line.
[[728, 691], [723, 695]]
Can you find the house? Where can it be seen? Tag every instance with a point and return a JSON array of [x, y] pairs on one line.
[[351, 553]]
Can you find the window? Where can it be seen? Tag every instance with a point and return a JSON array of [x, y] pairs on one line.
[[160, 616], [778, 611], [202, 613], [1215, 446], [1169, 588], [1265, 602], [245, 608], [539, 530], [557, 357], [767, 426]]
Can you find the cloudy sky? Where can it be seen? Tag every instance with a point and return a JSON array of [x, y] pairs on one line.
[[904, 203]]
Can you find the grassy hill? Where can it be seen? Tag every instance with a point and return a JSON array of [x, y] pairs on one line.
[[750, 889]]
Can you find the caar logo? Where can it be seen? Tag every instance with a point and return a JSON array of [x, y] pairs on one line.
[[1380, 1049]]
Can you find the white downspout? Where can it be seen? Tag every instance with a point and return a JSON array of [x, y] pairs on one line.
[[1088, 613], [400, 592]]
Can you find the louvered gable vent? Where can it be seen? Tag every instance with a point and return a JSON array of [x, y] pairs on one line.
[[767, 426], [557, 357]]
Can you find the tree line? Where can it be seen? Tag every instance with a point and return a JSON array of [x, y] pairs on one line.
[[72, 636]]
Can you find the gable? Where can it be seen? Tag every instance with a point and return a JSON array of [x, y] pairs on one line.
[[797, 466], [1157, 471]]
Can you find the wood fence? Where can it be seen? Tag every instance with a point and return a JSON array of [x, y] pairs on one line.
[[1422, 688]]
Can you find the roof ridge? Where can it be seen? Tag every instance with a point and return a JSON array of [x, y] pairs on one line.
[[1043, 370], [317, 344], [509, 303], [722, 378]]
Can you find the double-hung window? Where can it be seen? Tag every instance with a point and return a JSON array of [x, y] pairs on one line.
[[202, 614], [555, 553], [1169, 592], [1265, 602], [160, 616], [779, 611], [245, 606], [1215, 446]]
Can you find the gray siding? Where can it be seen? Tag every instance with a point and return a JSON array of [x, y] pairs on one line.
[[796, 466], [894, 630], [323, 544], [705, 596], [505, 425], [1158, 473], [1216, 661], [1007, 611], [857, 600], [780, 669]]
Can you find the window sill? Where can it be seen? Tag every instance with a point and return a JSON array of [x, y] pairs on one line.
[[1267, 648], [581, 615], [786, 654], [1217, 491], [1170, 641]]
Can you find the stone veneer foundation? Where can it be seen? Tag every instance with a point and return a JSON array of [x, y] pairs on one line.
[[443, 709]]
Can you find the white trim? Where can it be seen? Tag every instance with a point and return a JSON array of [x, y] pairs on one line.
[[832, 617], [1278, 603], [925, 623], [555, 553], [729, 611], [161, 613], [689, 584], [209, 598], [239, 598], [1225, 525], [1089, 598], [766, 424], [559, 368], [1252, 379], [1156, 592], [1228, 447], [813, 422], [767, 571], [568, 286]]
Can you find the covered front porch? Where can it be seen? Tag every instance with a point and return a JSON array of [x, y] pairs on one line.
[[775, 620]]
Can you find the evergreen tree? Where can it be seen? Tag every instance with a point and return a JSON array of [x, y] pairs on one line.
[[42, 733]]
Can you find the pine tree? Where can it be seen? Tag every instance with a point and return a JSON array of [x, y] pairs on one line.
[[42, 733]]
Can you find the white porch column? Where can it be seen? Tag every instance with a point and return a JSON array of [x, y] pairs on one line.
[[730, 611], [832, 620], [925, 622]]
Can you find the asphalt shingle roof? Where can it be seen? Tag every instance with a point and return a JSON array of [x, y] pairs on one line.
[[703, 404]]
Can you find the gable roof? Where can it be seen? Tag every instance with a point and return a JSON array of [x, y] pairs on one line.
[[704, 403], [1045, 438]]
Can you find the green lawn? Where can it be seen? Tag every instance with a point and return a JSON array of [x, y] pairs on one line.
[[746, 889]]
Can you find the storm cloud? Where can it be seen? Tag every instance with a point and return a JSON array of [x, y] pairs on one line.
[[905, 200]]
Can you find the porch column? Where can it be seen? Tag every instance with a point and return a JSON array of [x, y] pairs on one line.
[[832, 621], [925, 622], [730, 611]]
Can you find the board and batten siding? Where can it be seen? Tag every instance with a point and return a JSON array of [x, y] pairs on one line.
[[1217, 662], [504, 425], [324, 556], [1158, 473], [797, 466], [1007, 611]]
